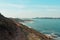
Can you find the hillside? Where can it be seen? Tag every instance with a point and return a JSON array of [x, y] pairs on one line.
[[12, 30]]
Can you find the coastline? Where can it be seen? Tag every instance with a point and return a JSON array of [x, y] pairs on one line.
[[35, 35]]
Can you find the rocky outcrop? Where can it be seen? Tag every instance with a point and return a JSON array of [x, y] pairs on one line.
[[33, 34], [12, 30], [9, 30]]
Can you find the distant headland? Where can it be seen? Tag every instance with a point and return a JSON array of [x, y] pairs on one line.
[[46, 18]]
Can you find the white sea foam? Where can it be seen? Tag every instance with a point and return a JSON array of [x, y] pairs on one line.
[[53, 36]]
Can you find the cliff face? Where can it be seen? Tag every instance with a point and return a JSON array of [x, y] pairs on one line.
[[11, 30]]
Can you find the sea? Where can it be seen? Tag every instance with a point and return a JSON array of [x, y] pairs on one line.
[[46, 26]]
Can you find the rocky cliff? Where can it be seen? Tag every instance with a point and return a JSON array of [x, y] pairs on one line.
[[12, 30]]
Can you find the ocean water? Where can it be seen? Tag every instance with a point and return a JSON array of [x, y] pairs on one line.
[[46, 26]]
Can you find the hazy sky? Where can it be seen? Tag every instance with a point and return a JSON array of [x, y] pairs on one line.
[[30, 8]]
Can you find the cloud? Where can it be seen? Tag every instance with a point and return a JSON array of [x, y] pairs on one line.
[[30, 10], [12, 5]]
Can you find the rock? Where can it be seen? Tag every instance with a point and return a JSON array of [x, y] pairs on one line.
[[12, 30], [9, 30]]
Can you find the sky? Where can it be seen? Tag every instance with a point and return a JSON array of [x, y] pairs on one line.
[[30, 8]]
